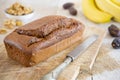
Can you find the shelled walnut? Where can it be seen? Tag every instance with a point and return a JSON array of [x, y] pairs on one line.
[[11, 23], [19, 23], [3, 31]]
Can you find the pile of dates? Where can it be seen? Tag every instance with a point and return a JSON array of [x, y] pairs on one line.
[[70, 7], [115, 32]]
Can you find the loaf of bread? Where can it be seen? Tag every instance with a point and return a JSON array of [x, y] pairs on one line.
[[37, 41]]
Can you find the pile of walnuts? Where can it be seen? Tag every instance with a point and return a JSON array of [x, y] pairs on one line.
[[18, 9]]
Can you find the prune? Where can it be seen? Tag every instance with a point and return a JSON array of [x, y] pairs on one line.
[[73, 11], [116, 43], [114, 31], [67, 5]]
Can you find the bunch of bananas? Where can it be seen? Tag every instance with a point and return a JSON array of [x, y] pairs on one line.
[[101, 11]]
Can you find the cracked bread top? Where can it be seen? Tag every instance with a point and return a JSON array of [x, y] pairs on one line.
[[43, 33]]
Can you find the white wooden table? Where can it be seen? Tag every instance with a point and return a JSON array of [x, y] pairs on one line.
[[51, 7]]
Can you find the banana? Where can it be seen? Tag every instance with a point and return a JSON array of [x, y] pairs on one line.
[[93, 13], [110, 7], [116, 19], [117, 2]]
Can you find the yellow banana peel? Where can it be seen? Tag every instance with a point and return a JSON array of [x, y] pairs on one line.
[[116, 19], [117, 2], [110, 7], [91, 11]]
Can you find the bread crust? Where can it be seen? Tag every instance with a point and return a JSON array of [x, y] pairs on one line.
[[45, 45]]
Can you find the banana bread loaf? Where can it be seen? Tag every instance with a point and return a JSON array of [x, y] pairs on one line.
[[41, 39]]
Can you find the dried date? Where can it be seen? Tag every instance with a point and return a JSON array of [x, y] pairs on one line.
[[116, 43], [114, 31], [73, 11], [67, 5]]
